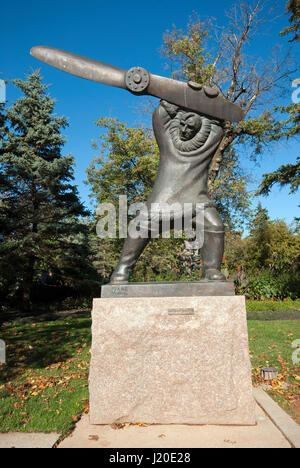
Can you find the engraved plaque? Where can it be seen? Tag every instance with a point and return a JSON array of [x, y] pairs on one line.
[[120, 291], [181, 311]]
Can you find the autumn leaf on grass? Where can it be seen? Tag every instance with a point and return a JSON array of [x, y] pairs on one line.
[[86, 407], [276, 384], [281, 360]]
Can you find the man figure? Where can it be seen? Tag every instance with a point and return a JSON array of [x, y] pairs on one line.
[[187, 142]]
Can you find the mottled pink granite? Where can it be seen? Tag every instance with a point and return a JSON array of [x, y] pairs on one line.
[[155, 367]]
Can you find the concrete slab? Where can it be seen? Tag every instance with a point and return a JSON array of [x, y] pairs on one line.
[[264, 435], [28, 440], [279, 417]]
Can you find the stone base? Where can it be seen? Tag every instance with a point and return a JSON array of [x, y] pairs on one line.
[[171, 360]]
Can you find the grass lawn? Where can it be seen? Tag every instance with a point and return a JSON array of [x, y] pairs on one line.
[[270, 345], [44, 385]]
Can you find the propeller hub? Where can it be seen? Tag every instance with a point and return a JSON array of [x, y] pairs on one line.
[[137, 80]]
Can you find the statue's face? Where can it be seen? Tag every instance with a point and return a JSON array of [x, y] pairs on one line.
[[189, 127]]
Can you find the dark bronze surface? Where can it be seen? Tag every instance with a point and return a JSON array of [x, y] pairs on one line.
[[187, 95], [137, 80], [188, 127], [187, 142], [169, 289]]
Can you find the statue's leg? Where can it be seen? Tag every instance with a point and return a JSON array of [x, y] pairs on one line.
[[213, 245], [132, 249]]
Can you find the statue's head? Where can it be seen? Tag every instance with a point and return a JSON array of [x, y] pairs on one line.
[[191, 131], [189, 126]]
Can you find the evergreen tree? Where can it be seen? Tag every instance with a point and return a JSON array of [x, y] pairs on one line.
[[271, 246], [259, 237], [293, 9], [287, 174], [39, 205]]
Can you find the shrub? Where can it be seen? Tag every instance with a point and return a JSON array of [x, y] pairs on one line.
[[267, 285]]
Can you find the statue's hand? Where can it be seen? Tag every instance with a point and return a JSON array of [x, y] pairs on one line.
[[172, 109]]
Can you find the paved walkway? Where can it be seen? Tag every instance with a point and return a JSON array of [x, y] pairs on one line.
[[27, 440], [264, 435]]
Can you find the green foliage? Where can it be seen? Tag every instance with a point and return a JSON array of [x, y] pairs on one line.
[[39, 205], [271, 245], [265, 264], [267, 285], [293, 8], [257, 306], [187, 52], [258, 133], [127, 163], [75, 303], [287, 174]]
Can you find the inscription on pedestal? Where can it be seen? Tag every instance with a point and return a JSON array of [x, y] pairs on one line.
[[181, 312], [119, 291]]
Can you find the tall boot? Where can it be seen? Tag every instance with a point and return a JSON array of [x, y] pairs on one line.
[[212, 253], [132, 249]]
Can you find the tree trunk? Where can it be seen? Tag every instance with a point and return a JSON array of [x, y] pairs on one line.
[[29, 272], [27, 285], [217, 160]]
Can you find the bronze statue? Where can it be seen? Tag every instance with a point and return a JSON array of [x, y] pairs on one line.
[[188, 129], [187, 142]]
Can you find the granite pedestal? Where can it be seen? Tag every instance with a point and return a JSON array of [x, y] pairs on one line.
[[170, 360]]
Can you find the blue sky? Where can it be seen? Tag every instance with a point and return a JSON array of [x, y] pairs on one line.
[[124, 34]]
